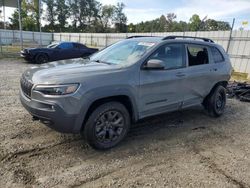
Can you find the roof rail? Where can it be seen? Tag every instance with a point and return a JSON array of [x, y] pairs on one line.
[[188, 37], [137, 36]]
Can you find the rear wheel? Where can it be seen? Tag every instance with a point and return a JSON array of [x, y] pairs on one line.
[[215, 103], [107, 125], [41, 58]]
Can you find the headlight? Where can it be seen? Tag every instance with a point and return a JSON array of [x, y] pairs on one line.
[[57, 89]]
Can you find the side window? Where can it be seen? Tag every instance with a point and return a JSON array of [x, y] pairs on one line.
[[218, 58], [197, 55], [171, 55], [66, 45], [79, 46]]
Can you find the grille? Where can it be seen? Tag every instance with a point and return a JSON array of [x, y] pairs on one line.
[[26, 86]]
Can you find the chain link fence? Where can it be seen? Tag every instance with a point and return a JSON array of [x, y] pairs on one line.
[[11, 45], [236, 43]]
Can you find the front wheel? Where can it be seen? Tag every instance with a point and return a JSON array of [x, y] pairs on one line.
[[42, 58], [107, 125], [215, 103]]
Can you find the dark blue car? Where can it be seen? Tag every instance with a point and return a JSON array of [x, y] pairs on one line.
[[57, 51]]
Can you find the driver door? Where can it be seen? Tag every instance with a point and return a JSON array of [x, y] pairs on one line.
[[64, 51], [162, 90]]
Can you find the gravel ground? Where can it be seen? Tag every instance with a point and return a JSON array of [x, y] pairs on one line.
[[182, 149]]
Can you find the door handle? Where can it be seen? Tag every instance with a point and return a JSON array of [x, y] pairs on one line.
[[180, 74]]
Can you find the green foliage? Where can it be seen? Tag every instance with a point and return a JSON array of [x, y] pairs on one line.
[[50, 15], [92, 16], [168, 24], [106, 17], [29, 22], [35, 9], [120, 18], [213, 25], [62, 12], [195, 23]]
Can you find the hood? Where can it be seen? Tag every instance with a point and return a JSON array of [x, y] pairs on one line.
[[34, 49], [67, 71]]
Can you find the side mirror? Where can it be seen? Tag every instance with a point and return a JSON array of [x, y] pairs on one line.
[[154, 64]]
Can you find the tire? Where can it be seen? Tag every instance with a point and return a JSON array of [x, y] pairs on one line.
[[41, 58], [107, 126], [215, 102]]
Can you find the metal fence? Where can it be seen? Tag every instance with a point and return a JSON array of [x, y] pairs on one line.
[[10, 40], [236, 43]]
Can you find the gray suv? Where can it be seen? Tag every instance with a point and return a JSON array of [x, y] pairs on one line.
[[135, 78]]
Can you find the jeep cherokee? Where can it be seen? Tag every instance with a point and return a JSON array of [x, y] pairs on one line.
[[135, 78]]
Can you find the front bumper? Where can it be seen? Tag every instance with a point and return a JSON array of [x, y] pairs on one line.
[[50, 114], [26, 56]]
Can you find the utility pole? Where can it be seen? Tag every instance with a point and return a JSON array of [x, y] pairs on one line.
[[4, 16], [20, 23], [40, 24], [230, 36]]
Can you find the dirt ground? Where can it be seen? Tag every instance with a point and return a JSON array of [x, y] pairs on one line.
[[182, 149]]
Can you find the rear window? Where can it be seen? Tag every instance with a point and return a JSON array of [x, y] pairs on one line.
[[197, 55], [218, 57]]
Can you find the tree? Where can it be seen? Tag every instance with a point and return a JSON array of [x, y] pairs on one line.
[[50, 15], [29, 22], [35, 9], [106, 16], [84, 14], [162, 24], [195, 23], [62, 11], [92, 14], [213, 25], [120, 19], [170, 19], [223, 26]]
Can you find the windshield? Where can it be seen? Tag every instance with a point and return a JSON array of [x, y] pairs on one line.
[[53, 45], [124, 52]]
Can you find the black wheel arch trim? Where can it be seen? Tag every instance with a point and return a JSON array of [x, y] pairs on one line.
[[81, 120], [220, 83]]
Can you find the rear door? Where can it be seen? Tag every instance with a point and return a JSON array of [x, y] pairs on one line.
[[199, 78], [161, 90]]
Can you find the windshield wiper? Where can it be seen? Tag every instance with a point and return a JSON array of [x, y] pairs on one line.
[[99, 61]]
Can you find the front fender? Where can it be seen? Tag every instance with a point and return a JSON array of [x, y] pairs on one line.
[[105, 92]]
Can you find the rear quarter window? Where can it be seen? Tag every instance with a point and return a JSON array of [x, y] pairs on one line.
[[217, 56]]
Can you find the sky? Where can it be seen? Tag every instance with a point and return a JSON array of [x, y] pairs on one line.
[[224, 10], [143, 10]]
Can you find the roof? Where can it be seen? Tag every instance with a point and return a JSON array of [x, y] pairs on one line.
[[146, 39], [9, 3], [175, 39]]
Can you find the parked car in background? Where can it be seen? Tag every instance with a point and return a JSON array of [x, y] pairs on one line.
[[57, 51], [127, 81]]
